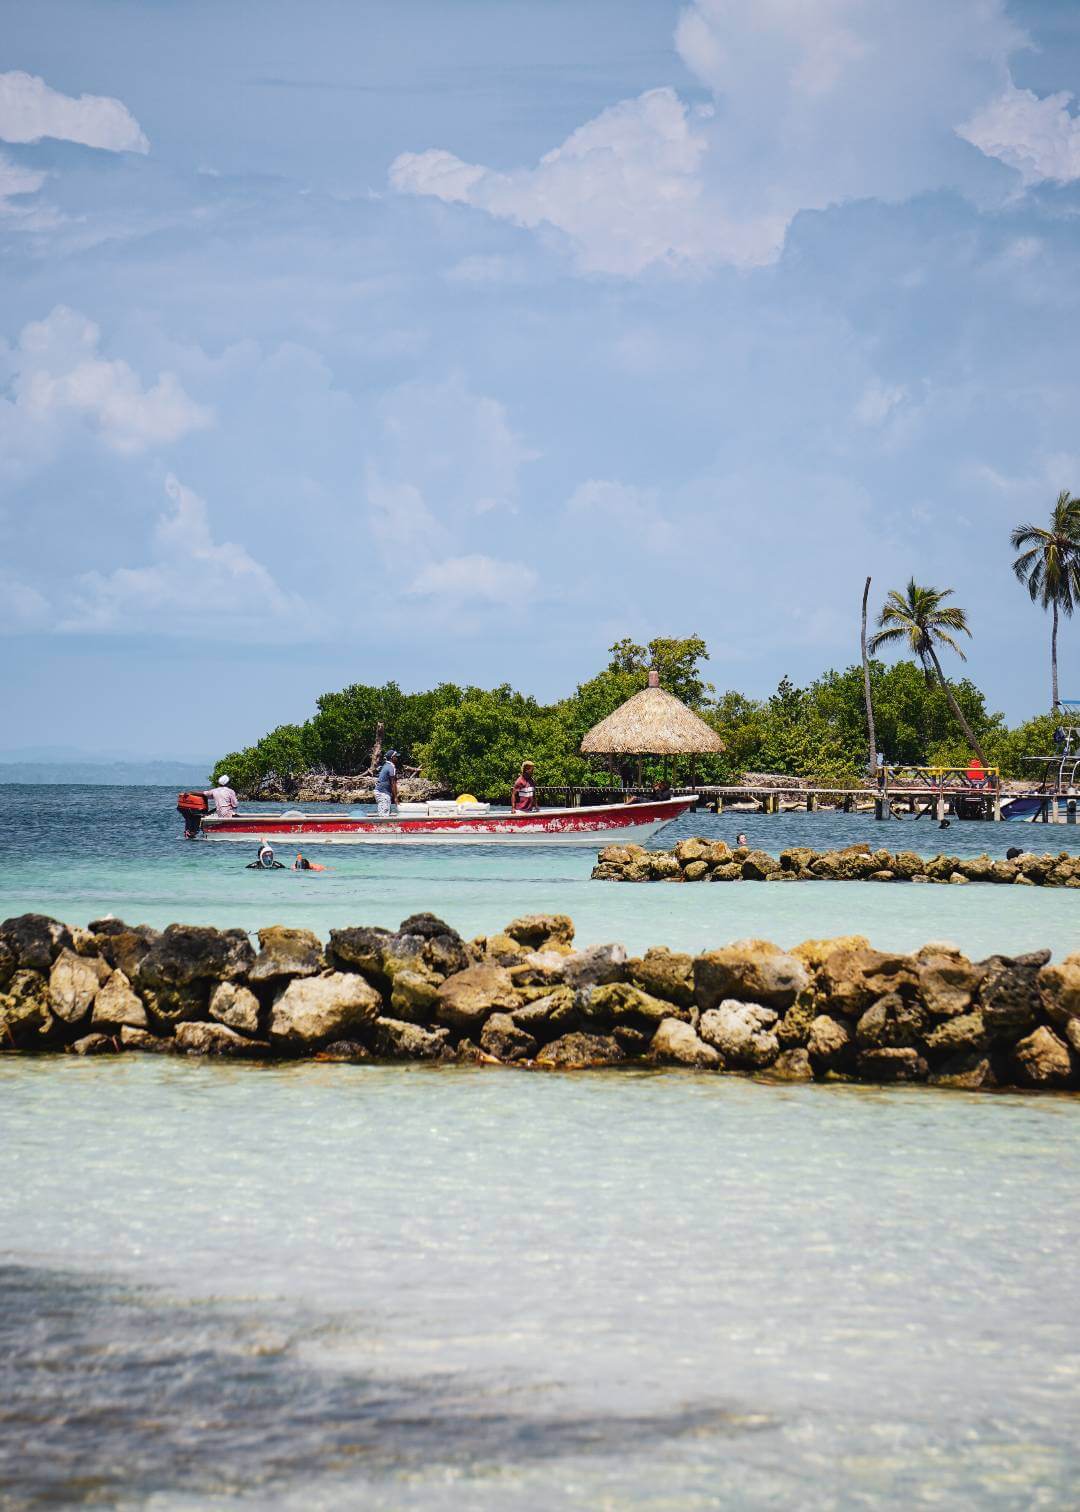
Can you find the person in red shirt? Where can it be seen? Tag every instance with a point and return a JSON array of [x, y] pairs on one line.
[[523, 796], [977, 773]]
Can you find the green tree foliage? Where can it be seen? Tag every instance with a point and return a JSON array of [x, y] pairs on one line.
[[475, 739], [1049, 568]]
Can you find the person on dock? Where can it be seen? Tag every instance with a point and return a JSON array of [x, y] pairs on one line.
[[386, 789], [523, 798], [226, 802], [977, 773], [265, 860]]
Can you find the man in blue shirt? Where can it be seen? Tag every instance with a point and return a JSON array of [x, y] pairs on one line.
[[386, 785]]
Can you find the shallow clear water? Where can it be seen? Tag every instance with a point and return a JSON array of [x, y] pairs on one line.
[[329, 1286], [332, 1286], [80, 852]]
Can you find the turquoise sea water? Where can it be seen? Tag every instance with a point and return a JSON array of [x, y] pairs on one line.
[[338, 1286], [80, 852], [331, 1286]]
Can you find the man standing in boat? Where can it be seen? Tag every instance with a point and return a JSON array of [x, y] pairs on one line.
[[225, 800], [523, 795], [386, 795]]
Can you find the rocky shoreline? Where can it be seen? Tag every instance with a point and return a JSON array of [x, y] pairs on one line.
[[703, 860], [826, 1010]]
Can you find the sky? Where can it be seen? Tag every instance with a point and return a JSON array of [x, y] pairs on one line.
[[456, 339]]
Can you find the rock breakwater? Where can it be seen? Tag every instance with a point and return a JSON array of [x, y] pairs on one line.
[[703, 860], [826, 1010]]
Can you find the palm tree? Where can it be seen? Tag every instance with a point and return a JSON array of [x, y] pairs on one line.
[[921, 617], [1049, 567]]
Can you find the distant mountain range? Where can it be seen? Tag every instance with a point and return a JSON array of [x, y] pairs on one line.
[[67, 764]]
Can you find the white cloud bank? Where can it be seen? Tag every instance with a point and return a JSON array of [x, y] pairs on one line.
[[472, 581], [1040, 138], [60, 380], [30, 111], [817, 102], [195, 586]]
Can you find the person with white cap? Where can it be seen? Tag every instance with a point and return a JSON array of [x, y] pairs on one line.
[[225, 800]]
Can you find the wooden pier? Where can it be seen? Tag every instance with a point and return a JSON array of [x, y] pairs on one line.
[[925, 792]]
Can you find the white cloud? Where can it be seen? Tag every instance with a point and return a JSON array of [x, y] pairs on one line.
[[878, 401], [22, 608], [14, 181], [59, 377], [621, 510], [475, 581], [625, 188], [1040, 138], [30, 111], [194, 586], [817, 102]]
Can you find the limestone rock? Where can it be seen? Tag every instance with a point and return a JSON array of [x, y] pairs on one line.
[[236, 1007], [185, 953], [675, 1043], [621, 855], [891, 1022], [667, 974], [742, 1032], [892, 1063], [582, 1050], [395, 1039], [622, 1002], [25, 1019], [758, 865], [965, 1032], [141, 1039], [503, 1038], [1009, 995], [359, 949], [906, 864], [694, 871], [35, 941], [968, 1071], [123, 946], [852, 977], [550, 1016], [947, 982], [542, 931], [349, 1051], [166, 1006], [94, 1044], [662, 866], [749, 971], [544, 969], [978, 868], [116, 1004], [1042, 1059], [414, 996], [286, 952], [828, 1043], [792, 1065], [74, 983], [730, 871], [466, 999], [217, 1039], [694, 849], [315, 1010], [628, 1037], [595, 966], [1059, 988]]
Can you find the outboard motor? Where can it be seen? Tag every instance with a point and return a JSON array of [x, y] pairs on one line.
[[192, 807]]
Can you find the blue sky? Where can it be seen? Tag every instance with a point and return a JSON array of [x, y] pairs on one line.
[[457, 338]]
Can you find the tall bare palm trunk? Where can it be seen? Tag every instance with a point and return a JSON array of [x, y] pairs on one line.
[[1053, 660], [957, 712], [871, 732]]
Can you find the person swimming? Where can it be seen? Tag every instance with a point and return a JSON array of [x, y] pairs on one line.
[[265, 860], [740, 840], [303, 864]]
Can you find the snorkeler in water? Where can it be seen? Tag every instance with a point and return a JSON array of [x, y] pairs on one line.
[[303, 864], [265, 860]]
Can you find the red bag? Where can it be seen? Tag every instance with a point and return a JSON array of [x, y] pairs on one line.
[[193, 803]]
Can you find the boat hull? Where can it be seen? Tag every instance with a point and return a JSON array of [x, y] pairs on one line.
[[631, 823]]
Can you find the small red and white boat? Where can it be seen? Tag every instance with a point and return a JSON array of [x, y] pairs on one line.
[[440, 824]]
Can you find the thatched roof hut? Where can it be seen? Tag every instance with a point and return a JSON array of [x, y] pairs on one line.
[[652, 723]]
